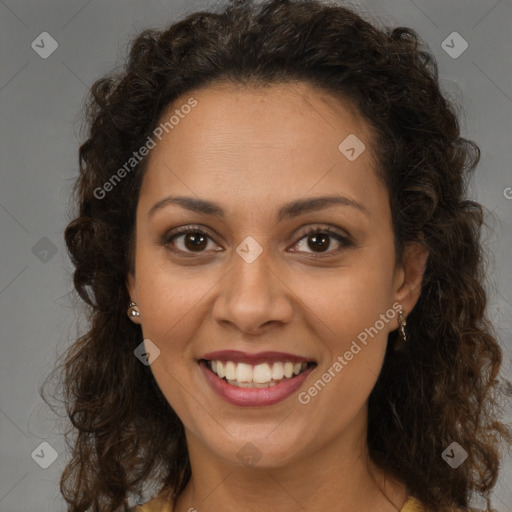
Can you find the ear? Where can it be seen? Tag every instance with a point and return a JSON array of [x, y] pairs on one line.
[[130, 286], [409, 276]]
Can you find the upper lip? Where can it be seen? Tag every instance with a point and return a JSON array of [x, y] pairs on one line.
[[238, 356]]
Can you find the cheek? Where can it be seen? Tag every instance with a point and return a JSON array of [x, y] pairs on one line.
[[344, 311], [349, 300], [170, 297], [345, 318], [172, 304]]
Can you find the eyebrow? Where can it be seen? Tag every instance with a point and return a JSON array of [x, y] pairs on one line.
[[290, 210]]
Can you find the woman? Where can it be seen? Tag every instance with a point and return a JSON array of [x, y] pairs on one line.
[[283, 273]]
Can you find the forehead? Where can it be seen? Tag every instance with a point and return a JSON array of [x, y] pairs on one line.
[[290, 115], [265, 143]]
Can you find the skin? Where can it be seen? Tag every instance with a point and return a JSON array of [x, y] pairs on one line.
[[251, 151]]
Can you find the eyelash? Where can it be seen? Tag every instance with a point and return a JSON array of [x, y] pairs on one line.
[[184, 230]]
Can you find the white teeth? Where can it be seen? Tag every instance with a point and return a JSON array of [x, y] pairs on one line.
[[262, 373], [243, 372], [277, 371], [230, 370], [251, 384], [260, 376], [262, 385]]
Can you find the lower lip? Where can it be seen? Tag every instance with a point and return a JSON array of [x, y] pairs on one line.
[[254, 396]]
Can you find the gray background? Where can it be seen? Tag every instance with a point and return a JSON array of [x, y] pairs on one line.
[[40, 102]]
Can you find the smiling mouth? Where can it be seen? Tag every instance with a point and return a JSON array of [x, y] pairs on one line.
[[262, 375]]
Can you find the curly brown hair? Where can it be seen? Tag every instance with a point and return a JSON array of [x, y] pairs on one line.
[[440, 388]]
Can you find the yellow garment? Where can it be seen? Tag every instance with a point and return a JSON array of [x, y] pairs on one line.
[[158, 504], [412, 505], [161, 505]]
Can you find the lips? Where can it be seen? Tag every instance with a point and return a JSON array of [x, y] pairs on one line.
[[260, 379]]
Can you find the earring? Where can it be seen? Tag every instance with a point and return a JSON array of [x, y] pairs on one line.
[[401, 326], [133, 310]]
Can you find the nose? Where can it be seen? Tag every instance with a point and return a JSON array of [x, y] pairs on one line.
[[252, 298]]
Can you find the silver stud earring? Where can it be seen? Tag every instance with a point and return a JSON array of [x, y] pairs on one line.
[[133, 310], [401, 326]]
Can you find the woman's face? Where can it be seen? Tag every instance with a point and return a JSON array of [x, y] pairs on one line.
[[290, 259]]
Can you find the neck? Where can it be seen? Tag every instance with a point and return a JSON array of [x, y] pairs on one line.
[[337, 476]]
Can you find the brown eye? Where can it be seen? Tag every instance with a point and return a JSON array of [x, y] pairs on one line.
[[318, 242], [187, 240], [195, 241], [322, 240]]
